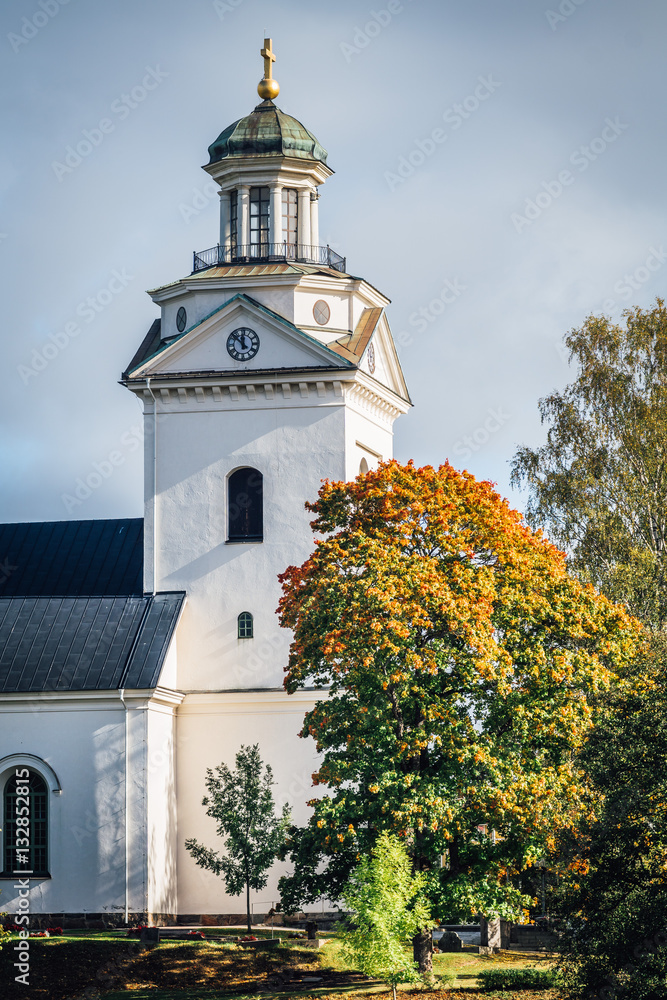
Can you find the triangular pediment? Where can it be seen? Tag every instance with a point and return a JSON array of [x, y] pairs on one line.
[[268, 342], [371, 347]]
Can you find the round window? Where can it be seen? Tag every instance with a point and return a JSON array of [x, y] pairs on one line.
[[321, 312], [181, 319]]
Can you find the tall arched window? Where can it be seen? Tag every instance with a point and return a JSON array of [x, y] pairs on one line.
[[25, 827], [245, 506], [233, 222], [363, 467], [245, 625], [259, 222], [290, 219]]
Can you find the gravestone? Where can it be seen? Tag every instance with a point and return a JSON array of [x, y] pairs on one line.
[[450, 941], [150, 936], [490, 933]]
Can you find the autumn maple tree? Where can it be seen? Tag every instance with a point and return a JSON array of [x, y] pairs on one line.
[[459, 656]]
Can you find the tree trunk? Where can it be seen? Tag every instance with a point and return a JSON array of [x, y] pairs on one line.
[[247, 906], [422, 950], [393, 989]]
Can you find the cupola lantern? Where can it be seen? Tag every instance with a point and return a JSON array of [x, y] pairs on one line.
[[269, 168]]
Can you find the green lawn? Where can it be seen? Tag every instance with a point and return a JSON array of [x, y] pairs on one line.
[[63, 968]]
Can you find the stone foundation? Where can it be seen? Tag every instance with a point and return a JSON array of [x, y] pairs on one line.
[[110, 921]]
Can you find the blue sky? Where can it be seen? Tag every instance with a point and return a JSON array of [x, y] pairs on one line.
[[499, 175]]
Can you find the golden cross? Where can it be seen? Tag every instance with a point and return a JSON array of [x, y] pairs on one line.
[[269, 58]]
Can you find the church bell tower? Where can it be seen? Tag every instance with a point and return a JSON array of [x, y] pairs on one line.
[[270, 368]]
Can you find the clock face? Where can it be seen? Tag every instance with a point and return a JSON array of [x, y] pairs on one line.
[[242, 344]]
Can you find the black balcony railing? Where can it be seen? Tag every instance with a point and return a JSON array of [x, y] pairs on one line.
[[266, 252]]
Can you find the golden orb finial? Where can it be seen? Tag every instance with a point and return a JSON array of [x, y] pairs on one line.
[[268, 88]]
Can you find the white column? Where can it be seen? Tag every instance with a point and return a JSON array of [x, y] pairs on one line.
[[275, 217], [244, 217], [225, 233], [304, 222], [315, 218]]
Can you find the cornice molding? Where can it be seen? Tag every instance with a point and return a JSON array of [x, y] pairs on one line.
[[36, 702], [189, 391]]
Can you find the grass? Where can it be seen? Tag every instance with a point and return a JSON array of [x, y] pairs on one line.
[[63, 968]]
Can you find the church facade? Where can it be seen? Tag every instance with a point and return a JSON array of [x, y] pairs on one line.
[[136, 653]]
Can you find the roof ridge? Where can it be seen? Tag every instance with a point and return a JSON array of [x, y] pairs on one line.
[[243, 296]]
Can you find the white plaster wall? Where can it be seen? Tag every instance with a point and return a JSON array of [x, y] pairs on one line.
[[137, 723], [366, 436], [86, 750], [82, 738], [292, 296], [275, 295], [294, 447], [169, 675], [211, 729], [197, 305], [338, 302], [208, 349], [161, 835]]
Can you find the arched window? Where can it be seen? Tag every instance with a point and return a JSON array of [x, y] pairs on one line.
[[245, 506], [25, 827], [233, 222], [363, 467], [245, 625], [290, 219], [259, 222]]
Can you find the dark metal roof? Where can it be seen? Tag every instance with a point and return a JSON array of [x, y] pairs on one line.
[[148, 346], [266, 131], [72, 558], [73, 615], [353, 345], [85, 643]]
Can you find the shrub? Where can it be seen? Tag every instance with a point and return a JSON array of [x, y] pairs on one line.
[[55, 931], [517, 979]]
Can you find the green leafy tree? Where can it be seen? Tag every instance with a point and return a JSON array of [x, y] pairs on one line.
[[386, 905], [613, 891], [599, 487], [599, 484], [241, 802], [460, 657]]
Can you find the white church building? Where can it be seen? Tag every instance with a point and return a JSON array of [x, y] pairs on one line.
[[136, 653]]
